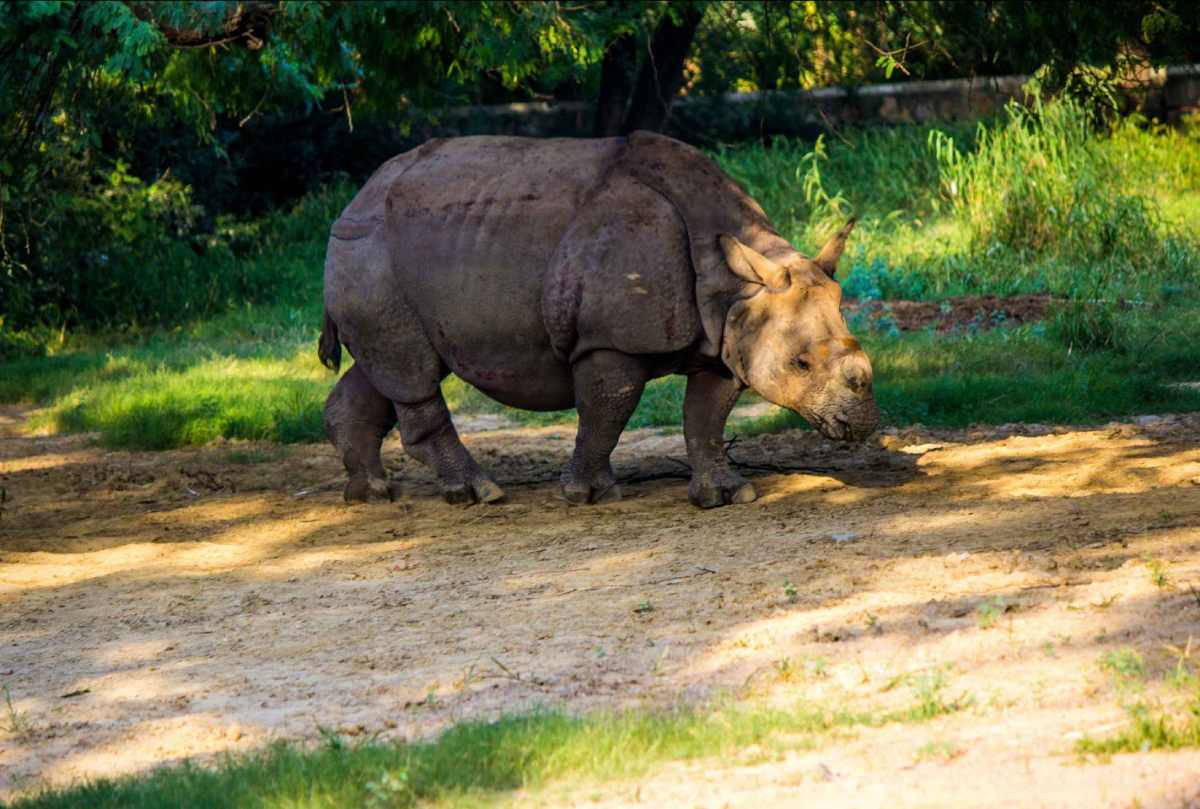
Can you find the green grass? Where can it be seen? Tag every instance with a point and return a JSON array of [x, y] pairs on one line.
[[263, 382], [1167, 723], [485, 763], [1149, 728], [1034, 201], [191, 389]]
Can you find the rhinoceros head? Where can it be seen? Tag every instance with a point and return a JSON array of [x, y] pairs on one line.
[[788, 341]]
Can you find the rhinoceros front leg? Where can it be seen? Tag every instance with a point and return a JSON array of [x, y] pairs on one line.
[[706, 405], [429, 436], [357, 417], [608, 385]]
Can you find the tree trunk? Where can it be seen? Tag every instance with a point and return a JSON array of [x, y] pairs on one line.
[[661, 75], [616, 84]]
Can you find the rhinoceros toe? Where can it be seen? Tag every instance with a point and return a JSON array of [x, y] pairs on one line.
[[583, 494], [480, 491], [488, 491], [364, 489], [728, 488]]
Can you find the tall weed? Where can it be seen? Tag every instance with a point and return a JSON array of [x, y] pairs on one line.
[[1039, 199], [1045, 190]]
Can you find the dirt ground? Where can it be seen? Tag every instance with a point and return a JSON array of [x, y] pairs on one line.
[[959, 313], [156, 606]]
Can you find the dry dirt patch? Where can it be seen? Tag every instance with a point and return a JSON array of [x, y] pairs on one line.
[[155, 606], [959, 313]]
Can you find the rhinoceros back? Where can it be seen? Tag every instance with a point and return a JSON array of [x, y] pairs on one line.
[[469, 226], [493, 202]]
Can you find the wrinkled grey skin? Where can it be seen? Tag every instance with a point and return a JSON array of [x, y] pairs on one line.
[[560, 273]]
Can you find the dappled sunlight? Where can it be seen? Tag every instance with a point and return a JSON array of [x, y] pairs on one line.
[[930, 523], [263, 603], [129, 653], [43, 461], [831, 492], [613, 570], [797, 484], [236, 535], [226, 552], [1071, 465], [1004, 640], [146, 744]]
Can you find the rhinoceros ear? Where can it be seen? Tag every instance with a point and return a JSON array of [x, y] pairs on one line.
[[750, 265], [827, 260]]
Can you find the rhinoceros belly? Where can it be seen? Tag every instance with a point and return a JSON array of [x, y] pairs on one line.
[[473, 226]]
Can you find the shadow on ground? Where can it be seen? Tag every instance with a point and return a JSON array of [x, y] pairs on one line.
[[193, 602]]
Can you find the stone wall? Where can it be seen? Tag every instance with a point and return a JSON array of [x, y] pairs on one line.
[[1179, 96], [1169, 95]]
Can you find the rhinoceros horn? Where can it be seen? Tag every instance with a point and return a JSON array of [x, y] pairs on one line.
[[827, 260], [751, 265]]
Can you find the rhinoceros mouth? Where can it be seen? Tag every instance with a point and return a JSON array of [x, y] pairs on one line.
[[835, 428], [839, 427]]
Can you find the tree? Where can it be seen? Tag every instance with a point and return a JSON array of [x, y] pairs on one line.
[[624, 104], [90, 93], [120, 119]]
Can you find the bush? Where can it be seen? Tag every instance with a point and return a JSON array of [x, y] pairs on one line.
[[133, 255], [1088, 325], [1060, 202]]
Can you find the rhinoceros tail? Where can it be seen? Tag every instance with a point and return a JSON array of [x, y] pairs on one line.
[[329, 347]]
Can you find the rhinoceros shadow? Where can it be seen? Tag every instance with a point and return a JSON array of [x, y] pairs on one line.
[[867, 465], [863, 466]]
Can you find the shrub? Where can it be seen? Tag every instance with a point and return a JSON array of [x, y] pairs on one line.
[[1088, 325], [1053, 199], [134, 254]]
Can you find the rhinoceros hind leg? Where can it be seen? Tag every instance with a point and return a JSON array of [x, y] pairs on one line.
[[608, 385], [429, 436], [357, 417], [706, 405]]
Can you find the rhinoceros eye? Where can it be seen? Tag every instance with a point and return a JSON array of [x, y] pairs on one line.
[[802, 364]]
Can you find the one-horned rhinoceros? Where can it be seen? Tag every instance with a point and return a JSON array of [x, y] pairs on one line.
[[558, 273]]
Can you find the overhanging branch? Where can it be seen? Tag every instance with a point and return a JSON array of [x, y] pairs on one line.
[[246, 24]]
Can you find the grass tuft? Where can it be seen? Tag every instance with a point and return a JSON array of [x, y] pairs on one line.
[[479, 762], [1149, 729]]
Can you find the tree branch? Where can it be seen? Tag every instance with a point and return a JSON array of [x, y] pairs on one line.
[[248, 24]]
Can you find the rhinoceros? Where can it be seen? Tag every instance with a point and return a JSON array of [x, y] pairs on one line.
[[558, 273]]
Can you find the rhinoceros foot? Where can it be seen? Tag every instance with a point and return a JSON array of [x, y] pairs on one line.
[[582, 495], [365, 489], [478, 491], [720, 488]]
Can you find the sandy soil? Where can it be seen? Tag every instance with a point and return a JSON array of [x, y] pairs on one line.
[[155, 606]]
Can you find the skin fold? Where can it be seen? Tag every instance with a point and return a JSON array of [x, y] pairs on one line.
[[568, 273]]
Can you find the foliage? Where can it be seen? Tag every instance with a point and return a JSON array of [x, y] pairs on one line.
[[1039, 200], [1043, 183], [130, 131], [130, 257], [111, 112], [1085, 49]]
